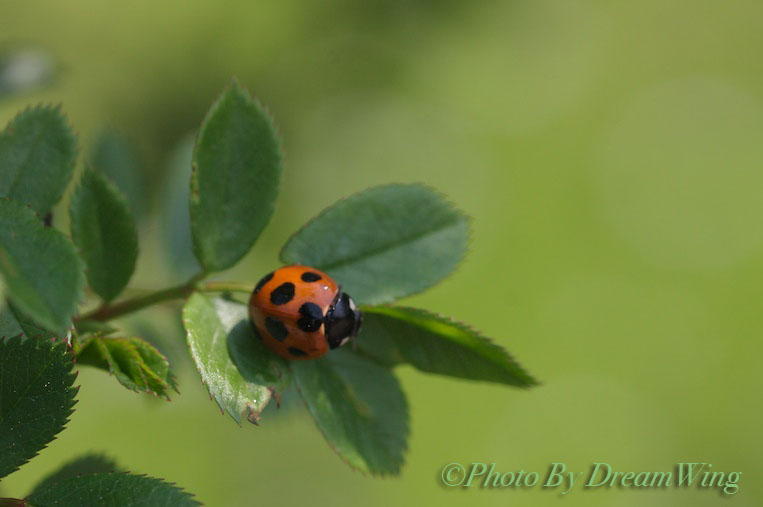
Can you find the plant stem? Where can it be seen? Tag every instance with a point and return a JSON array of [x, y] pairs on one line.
[[111, 311]]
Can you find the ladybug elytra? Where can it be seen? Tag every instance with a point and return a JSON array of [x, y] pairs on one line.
[[300, 312]]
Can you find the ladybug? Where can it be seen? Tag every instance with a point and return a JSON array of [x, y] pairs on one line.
[[300, 312]]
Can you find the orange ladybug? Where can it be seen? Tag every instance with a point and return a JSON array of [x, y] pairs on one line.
[[301, 312]]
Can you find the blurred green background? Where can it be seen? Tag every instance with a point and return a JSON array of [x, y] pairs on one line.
[[611, 155]]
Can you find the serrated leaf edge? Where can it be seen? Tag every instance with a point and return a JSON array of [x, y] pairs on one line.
[[79, 297], [194, 190], [441, 195], [75, 389], [99, 341], [73, 137], [248, 412], [463, 326], [123, 201], [355, 468], [182, 490]]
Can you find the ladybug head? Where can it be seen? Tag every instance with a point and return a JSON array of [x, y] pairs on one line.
[[343, 320]]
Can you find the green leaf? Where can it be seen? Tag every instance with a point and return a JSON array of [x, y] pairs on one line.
[[240, 372], [37, 397], [359, 407], [32, 329], [235, 180], [37, 154], [385, 243], [434, 344], [115, 157], [105, 233], [135, 363], [87, 464], [43, 274], [112, 489], [9, 326]]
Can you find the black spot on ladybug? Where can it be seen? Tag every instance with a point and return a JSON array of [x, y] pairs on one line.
[[309, 276], [312, 317], [265, 279], [294, 351], [276, 328], [282, 294]]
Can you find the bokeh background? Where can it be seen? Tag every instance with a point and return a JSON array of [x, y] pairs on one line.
[[611, 155]]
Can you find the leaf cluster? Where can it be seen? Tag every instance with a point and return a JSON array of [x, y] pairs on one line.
[[38, 396], [382, 244], [45, 274]]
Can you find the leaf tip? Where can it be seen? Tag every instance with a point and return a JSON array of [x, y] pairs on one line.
[[252, 415]]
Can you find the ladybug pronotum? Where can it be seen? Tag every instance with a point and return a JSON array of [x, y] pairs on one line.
[[300, 312]]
